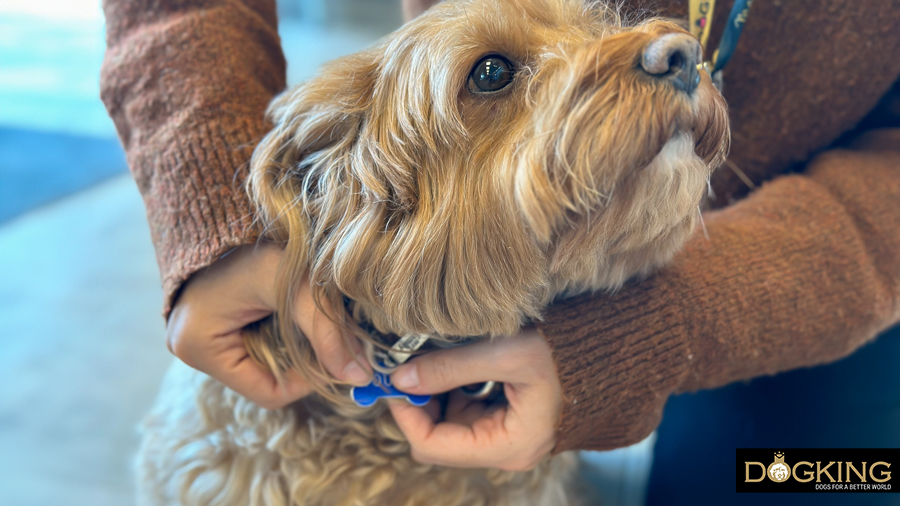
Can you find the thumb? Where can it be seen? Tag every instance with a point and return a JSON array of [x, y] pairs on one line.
[[445, 370]]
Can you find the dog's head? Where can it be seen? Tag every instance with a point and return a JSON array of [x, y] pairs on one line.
[[487, 157]]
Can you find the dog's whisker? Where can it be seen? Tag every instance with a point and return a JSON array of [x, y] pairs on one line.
[[702, 223], [740, 174]]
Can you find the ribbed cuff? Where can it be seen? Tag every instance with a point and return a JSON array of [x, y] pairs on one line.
[[197, 206], [619, 358]]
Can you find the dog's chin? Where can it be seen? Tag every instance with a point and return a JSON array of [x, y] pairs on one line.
[[641, 226]]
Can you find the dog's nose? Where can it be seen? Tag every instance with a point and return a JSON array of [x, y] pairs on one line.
[[674, 57]]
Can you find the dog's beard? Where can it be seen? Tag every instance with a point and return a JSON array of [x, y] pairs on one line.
[[648, 218], [614, 168], [598, 125]]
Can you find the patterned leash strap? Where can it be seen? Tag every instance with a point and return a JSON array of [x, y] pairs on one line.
[[700, 17]]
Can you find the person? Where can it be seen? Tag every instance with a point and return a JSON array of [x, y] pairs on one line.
[[800, 272]]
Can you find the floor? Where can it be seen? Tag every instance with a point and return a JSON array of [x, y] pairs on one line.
[[82, 348]]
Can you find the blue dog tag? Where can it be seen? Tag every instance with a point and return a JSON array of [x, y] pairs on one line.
[[381, 387]]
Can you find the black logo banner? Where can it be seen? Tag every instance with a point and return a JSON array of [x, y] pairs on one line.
[[818, 470]]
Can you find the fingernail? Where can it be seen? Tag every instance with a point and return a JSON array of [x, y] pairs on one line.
[[406, 378], [355, 374]]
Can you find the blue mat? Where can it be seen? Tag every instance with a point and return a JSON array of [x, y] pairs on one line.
[[38, 167]]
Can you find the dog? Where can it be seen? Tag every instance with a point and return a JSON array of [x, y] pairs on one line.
[[451, 181]]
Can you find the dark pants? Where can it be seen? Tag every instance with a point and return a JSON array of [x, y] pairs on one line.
[[853, 403]]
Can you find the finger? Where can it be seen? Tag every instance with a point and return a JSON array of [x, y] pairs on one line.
[[226, 359], [328, 342], [182, 336], [482, 444], [236, 370], [464, 410], [175, 329], [261, 387], [247, 276], [528, 429], [235, 291], [508, 360]]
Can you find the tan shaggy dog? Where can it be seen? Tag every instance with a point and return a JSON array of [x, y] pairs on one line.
[[453, 180]]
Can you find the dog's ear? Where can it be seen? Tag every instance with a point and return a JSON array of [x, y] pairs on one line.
[[315, 126], [307, 154]]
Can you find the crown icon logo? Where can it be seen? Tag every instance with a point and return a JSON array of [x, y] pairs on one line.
[[779, 456]]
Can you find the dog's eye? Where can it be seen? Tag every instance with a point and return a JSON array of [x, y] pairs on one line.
[[491, 73]]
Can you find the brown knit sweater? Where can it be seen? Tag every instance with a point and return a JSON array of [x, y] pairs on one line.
[[801, 272]]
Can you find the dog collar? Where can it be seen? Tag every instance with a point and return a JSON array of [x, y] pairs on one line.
[[384, 362], [388, 360]]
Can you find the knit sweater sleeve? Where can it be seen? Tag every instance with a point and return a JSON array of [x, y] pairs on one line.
[[187, 83], [802, 272]]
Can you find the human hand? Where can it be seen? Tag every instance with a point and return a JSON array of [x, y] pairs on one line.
[[206, 325], [512, 437]]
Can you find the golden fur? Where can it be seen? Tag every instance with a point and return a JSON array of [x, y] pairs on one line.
[[417, 206]]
